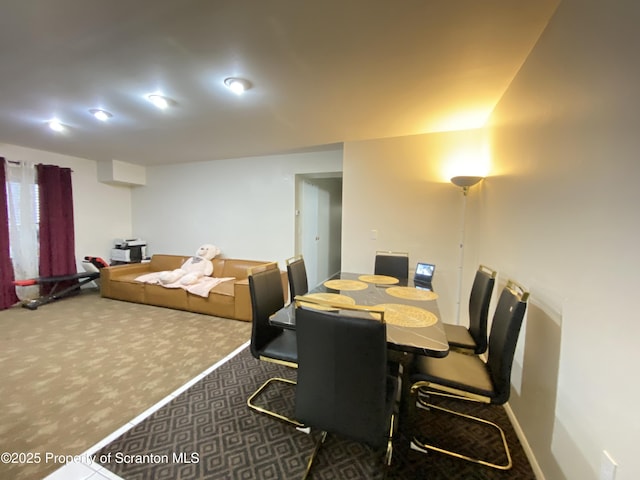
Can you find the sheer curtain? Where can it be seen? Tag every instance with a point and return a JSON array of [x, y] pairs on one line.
[[7, 290], [22, 198]]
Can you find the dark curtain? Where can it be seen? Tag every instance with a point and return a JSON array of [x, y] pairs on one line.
[[57, 239], [7, 289]]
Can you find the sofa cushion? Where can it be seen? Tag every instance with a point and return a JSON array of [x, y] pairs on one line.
[[224, 288], [127, 291], [239, 269], [161, 263], [216, 304], [128, 277], [218, 267], [165, 297]]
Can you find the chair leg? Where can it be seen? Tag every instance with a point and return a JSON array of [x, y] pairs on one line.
[[425, 447], [257, 393], [389, 452], [316, 449]]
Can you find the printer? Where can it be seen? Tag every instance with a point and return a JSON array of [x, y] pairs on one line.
[[128, 250]]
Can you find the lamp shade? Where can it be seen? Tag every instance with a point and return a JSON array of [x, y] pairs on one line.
[[465, 181]]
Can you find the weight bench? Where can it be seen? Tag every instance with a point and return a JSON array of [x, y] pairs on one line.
[[92, 265]]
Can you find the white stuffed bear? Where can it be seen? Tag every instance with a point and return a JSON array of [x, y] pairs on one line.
[[193, 268]]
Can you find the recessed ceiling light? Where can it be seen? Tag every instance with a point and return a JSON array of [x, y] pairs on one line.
[[55, 125], [100, 114], [160, 101], [237, 85]]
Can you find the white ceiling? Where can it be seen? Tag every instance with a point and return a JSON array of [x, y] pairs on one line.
[[323, 72]]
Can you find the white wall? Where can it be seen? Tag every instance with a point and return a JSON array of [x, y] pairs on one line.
[[559, 214], [101, 212], [244, 206], [399, 187]]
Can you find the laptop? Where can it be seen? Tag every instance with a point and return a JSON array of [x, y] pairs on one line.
[[424, 275]]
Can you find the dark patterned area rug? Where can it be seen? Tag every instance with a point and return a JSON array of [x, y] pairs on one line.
[[208, 432]]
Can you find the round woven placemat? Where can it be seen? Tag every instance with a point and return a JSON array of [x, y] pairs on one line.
[[345, 285], [407, 315], [410, 293], [326, 297], [379, 279]]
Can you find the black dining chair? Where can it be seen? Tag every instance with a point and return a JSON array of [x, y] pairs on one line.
[[473, 339], [468, 377], [297, 272], [270, 343], [343, 383], [393, 264]]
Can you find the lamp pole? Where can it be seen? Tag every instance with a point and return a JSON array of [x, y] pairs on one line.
[[464, 182], [461, 254]]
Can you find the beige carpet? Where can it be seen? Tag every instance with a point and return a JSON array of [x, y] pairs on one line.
[[75, 370]]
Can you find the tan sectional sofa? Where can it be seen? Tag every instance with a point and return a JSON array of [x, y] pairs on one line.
[[229, 299]]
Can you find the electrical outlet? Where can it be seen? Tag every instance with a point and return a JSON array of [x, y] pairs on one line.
[[374, 234], [608, 467]]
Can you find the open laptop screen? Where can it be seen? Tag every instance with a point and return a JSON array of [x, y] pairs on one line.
[[424, 273]]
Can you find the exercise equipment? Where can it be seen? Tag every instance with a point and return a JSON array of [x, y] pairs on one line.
[[92, 266]]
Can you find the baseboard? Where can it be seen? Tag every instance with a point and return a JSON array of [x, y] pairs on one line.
[[537, 471]]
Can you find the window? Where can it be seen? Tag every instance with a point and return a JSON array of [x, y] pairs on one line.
[[15, 196], [24, 217]]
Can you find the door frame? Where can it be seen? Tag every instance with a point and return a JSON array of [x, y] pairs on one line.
[[332, 258]]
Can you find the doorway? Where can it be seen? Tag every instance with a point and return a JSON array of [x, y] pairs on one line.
[[319, 224]]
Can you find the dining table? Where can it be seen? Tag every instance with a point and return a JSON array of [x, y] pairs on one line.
[[410, 312]]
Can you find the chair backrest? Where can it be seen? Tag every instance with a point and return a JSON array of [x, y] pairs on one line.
[[394, 264], [503, 338], [479, 300], [297, 272], [267, 297], [342, 375]]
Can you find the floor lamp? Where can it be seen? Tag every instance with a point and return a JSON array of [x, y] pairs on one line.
[[464, 182]]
